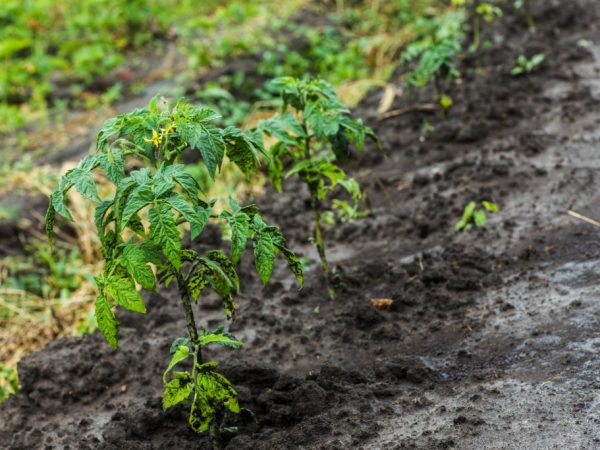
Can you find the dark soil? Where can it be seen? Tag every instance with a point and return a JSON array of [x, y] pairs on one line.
[[492, 338]]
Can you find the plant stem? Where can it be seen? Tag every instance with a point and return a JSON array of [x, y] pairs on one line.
[[186, 302], [314, 202], [320, 243], [215, 430], [530, 22], [476, 26]]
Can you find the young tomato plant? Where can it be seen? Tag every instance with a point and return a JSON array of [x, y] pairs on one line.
[[523, 65], [141, 228], [313, 133], [475, 214]]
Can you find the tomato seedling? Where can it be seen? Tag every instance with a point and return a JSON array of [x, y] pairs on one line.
[[525, 66], [141, 226], [313, 133], [475, 214]]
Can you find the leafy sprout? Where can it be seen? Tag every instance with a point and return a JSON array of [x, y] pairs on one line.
[[523, 65], [312, 134], [475, 214]]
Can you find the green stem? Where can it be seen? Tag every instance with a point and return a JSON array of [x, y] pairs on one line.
[[320, 244], [186, 302], [530, 21], [215, 429]]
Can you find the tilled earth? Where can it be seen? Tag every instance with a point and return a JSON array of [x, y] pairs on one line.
[[492, 338]]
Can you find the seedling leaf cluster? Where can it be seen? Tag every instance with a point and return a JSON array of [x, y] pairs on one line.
[[313, 134]]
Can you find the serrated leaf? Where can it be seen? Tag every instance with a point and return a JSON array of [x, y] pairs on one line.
[[57, 199], [205, 138], [240, 225], [226, 265], [219, 280], [179, 342], [219, 337], [182, 353], [293, 263], [264, 256], [196, 221], [107, 323], [99, 214], [113, 165], [177, 390], [211, 389], [140, 197], [196, 228], [134, 260], [164, 232], [123, 291], [240, 149], [83, 181], [198, 281]]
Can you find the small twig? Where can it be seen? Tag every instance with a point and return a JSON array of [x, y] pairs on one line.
[[584, 218], [407, 109]]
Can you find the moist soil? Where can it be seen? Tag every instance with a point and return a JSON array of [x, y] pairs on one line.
[[492, 336]]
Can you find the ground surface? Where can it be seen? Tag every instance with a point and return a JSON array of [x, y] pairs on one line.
[[493, 335]]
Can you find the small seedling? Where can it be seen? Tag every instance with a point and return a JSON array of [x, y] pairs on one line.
[[479, 11], [141, 229], [526, 4], [313, 133], [9, 382], [524, 65], [475, 214]]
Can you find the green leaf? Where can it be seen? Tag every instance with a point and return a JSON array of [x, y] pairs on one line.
[[219, 337], [293, 263], [140, 197], [107, 323], [164, 232], [84, 184], [468, 213], [49, 224], [198, 281], [479, 218], [211, 389], [240, 149], [113, 165], [123, 291], [182, 353], [179, 342], [188, 213], [188, 183], [226, 265], [219, 280], [99, 214], [460, 225], [177, 390], [57, 199], [240, 225], [490, 207], [205, 138], [264, 256], [196, 228], [134, 260]]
